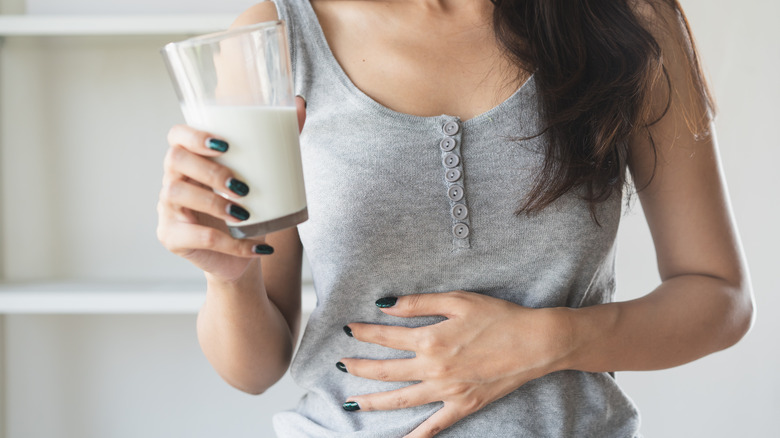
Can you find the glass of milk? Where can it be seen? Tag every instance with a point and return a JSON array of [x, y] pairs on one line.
[[237, 85]]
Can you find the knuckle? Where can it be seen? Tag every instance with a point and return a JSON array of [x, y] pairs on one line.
[[381, 373], [174, 133], [173, 159], [208, 238], [168, 161], [400, 402], [458, 389], [162, 236], [458, 298], [380, 334], [218, 174], [242, 249], [215, 203], [428, 344], [169, 192], [413, 302], [472, 405], [439, 371]]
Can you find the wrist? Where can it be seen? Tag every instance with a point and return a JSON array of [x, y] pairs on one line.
[[251, 279], [565, 338], [587, 331]]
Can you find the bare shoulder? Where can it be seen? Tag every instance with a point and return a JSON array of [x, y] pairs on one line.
[[680, 89], [666, 21], [258, 13]]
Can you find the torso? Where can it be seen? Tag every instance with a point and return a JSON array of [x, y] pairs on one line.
[[420, 60], [384, 221]]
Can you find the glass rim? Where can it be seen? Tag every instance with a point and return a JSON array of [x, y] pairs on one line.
[[213, 37]]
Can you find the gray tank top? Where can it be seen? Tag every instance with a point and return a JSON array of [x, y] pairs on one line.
[[401, 204]]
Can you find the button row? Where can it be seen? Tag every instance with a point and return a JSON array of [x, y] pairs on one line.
[[452, 174]]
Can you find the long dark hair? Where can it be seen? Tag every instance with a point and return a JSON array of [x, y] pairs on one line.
[[594, 62]]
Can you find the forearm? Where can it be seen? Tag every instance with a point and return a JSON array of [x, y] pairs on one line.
[[243, 334], [685, 318]]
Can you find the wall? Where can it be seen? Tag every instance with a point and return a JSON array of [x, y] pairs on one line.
[[735, 392], [130, 376]]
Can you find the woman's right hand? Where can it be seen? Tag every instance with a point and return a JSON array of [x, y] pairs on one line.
[[191, 215]]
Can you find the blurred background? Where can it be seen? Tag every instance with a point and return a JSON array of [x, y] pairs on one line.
[[97, 320]]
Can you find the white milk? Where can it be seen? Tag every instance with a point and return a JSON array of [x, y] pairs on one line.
[[263, 152]]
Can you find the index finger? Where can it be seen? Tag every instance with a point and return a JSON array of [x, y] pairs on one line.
[[445, 304], [398, 338], [198, 142]]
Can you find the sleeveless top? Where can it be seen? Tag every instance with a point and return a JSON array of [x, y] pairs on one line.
[[401, 204]]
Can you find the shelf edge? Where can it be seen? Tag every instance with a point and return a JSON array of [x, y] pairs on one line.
[[106, 301], [112, 25]]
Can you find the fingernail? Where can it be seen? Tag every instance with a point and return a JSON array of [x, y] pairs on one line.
[[351, 406], [263, 249], [217, 145], [341, 367], [348, 331], [238, 212], [304, 101], [386, 302], [237, 187]]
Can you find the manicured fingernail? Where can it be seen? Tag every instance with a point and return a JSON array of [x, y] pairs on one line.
[[351, 406], [238, 212], [341, 367], [348, 331], [217, 144], [386, 302], [263, 249], [237, 187]]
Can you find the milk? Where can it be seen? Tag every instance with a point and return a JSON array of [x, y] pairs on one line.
[[265, 154]]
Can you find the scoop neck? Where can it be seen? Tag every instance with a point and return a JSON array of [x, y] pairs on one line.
[[329, 59]]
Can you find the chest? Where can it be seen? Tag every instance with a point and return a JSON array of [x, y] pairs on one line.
[[417, 62]]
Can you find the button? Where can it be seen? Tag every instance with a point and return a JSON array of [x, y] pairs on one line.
[[452, 175], [447, 144], [459, 211], [461, 231], [451, 128], [455, 193], [451, 160]]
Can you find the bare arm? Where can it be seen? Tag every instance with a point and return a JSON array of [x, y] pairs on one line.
[[704, 303], [248, 326]]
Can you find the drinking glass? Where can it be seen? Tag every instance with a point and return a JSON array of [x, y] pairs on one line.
[[237, 85]]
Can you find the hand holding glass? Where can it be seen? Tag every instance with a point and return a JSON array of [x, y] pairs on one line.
[[237, 85]]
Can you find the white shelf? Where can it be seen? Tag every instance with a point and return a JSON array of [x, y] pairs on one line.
[[76, 25], [111, 298]]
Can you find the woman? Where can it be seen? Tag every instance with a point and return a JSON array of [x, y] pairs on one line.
[[465, 165]]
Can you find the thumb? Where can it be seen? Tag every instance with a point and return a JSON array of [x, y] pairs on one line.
[[300, 105]]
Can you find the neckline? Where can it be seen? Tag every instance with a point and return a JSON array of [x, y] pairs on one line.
[[329, 59]]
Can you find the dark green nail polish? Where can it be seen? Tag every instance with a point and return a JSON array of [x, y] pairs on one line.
[[217, 145], [238, 212], [263, 249], [348, 331], [237, 187], [386, 302], [341, 367], [351, 406]]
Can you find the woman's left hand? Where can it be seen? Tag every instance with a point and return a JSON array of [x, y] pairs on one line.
[[485, 349]]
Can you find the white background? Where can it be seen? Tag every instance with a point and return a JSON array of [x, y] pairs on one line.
[[144, 376]]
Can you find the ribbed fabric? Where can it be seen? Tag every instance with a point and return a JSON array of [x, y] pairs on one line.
[[381, 224]]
